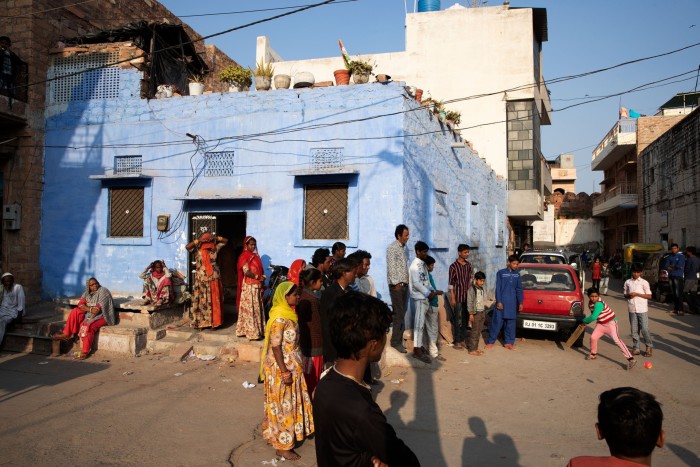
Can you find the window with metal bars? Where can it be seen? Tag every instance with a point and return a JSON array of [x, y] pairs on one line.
[[126, 206], [326, 211], [219, 164], [127, 164]]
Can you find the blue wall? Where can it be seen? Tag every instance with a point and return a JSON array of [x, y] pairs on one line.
[[272, 135]]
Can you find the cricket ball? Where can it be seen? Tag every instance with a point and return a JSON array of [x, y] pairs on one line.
[[647, 365]]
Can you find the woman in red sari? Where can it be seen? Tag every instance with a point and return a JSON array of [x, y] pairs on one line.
[[294, 271], [207, 293], [251, 279]]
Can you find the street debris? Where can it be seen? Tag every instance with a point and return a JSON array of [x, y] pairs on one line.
[[274, 461], [43, 363], [127, 373], [248, 385], [179, 374], [207, 357], [397, 381]]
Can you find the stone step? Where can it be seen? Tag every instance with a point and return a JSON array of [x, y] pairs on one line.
[[30, 343], [123, 339], [185, 333], [164, 345]]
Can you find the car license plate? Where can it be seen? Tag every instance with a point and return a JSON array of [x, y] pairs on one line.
[[541, 325]]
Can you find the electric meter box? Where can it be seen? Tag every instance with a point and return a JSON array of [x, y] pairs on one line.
[[11, 214]]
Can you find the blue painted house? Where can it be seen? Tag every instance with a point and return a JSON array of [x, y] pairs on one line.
[[129, 180]]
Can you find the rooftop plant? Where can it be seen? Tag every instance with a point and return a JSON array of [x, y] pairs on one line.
[[236, 74], [454, 116], [359, 67], [264, 69]]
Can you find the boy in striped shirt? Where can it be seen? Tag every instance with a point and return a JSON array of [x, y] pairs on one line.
[[606, 323]]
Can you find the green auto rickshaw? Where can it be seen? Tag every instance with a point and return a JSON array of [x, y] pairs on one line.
[[636, 254]]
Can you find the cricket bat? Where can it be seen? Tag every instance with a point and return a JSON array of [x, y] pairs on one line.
[[575, 335]]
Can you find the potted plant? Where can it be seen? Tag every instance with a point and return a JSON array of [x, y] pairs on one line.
[[282, 81], [263, 76], [453, 117], [360, 70], [196, 85], [237, 78]]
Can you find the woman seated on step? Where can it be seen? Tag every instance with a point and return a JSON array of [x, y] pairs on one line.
[[157, 284], [95, 309]]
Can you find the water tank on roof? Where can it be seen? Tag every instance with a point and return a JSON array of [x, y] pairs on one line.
[[428, 5]]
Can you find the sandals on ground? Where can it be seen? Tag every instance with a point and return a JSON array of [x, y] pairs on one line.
[[591, 356], [83, 356], [636, 352], [648, 353]]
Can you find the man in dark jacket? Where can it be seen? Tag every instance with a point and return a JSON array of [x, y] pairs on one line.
[[343, 276]]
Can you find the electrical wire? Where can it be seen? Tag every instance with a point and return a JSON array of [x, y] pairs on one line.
[[46, 11], [179, 45]]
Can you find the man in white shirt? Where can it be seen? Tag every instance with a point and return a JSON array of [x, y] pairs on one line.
[[421, 293], [637, 292], [11, 302]]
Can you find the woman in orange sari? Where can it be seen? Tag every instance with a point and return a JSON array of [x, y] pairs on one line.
[[295, 270], [251, 279], [207, 294]]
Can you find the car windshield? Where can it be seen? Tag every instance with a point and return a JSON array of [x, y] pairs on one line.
[[556, 280], [542, 258]]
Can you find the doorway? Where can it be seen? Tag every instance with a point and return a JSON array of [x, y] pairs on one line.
[[230, 225]]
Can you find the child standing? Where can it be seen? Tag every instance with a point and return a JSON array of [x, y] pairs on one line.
[[509, 301], [421, 293], [604, 277], [637, 292], [606, 324], [476, 306], [431, 317], [596, 273]]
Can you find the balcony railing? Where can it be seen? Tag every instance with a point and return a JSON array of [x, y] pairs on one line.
[[17, 87], [622, 189], [624, 125]]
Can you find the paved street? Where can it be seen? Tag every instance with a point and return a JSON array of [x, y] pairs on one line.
[[532, 407]]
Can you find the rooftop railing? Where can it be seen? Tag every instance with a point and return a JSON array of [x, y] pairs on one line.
[[617, 190], [624, 125]]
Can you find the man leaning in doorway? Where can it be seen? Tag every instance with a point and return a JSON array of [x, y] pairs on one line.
[[397, 278]]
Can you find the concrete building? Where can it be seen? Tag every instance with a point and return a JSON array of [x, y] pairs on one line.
[[563, 170], [495, 53], [670, 168], [36, 27], [617, 155], [339, 163]]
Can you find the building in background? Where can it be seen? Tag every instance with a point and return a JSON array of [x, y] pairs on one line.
[[670, 168], [35, 28], [617, 155], [495, 53]]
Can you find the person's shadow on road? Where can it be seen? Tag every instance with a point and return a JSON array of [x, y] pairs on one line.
[[478, 450]]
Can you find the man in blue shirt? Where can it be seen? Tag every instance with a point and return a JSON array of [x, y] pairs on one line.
[[675, 265], [509, 301]]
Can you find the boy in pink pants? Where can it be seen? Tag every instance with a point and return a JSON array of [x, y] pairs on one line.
[[606, 323]]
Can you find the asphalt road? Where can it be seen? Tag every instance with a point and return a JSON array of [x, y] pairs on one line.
[[535, 406]]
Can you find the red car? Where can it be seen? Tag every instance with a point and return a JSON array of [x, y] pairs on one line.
[[553, 299]]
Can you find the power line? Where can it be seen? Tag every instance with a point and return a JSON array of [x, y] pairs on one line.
[[179, 46], [46, 11]]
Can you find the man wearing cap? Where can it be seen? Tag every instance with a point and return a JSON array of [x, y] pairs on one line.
[[11, 302]]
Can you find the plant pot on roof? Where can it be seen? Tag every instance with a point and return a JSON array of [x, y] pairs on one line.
[[342, 77], [263, 76], [237, 78], [282, 81], [196, 85], [360, 71]]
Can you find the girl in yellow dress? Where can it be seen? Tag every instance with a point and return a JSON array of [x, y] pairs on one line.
[[288, 413]]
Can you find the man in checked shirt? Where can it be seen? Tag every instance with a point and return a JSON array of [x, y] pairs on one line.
[[397, 278], [460, 280]]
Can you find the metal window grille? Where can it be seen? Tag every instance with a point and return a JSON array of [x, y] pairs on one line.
[[126, 212], [326, 211], [203, 223], [327, 158], [127, 164], [219, 164], [82, 85]]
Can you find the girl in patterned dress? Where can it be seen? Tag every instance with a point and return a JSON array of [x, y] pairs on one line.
[[287, 409]]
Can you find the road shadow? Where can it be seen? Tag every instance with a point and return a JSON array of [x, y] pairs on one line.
[[23, 373], [685, 455], [478, 450]]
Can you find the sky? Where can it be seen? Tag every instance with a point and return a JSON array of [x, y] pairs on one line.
[[583, 36]]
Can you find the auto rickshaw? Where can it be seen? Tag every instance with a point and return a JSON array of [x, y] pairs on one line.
[[636, 254]]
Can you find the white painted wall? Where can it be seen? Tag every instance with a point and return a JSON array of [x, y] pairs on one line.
[[578, 231], [451, 54], [543, 231]]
